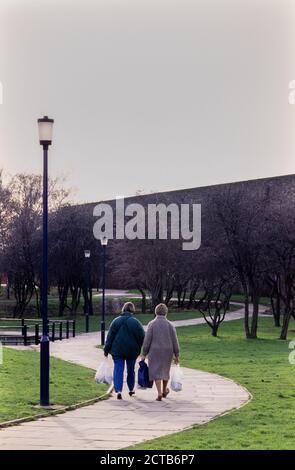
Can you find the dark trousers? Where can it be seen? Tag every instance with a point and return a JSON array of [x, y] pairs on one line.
[[119, 374]]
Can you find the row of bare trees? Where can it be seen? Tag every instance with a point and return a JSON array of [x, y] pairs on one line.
[[260, 234], [248, 247], [20, 250]]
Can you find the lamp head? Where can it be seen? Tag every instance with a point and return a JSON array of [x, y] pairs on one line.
[[45, 126]]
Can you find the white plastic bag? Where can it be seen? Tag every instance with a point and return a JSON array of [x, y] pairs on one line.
[[104, 373], [176, 379]]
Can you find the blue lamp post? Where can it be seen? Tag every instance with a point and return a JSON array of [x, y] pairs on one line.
[[87, 288], [104, 242], [45, 126]]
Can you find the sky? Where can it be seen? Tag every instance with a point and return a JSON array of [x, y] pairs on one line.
[[149, 95]]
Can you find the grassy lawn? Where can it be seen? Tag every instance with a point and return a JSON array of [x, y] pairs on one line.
[[144, 318], [240, 298], [94, 320], [262, 366], [19, 384], [234, 298]]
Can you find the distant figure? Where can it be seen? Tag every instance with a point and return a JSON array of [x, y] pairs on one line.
[[160, 345], [124, 342]]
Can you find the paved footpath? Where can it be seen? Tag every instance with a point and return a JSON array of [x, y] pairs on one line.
[[114, 424]]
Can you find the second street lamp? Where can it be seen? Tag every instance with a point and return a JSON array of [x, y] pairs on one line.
[[104, 242], [87, 287], [45, 126]]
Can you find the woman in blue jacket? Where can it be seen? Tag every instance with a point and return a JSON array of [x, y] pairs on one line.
[[124, 342]]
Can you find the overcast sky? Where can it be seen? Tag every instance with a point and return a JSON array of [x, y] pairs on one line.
[[148, 94]]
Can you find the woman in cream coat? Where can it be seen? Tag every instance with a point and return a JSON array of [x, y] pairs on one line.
[[160, 346]]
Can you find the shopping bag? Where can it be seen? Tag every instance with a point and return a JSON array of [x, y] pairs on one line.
[[143, 376], [176, 379], [104, 373]]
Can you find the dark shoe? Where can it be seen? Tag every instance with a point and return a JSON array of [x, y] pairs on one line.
[[159, 398], [166, 393], [119, 396], [131, 394]]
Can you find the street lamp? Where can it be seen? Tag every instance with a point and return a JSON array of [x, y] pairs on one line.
[[87, 285], [45, 126], [104, 242]]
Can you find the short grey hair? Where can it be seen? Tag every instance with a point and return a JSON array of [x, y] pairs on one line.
[[161, 309], [128, 307]]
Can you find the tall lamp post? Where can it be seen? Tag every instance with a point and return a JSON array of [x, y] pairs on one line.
[[45, 126], [87, 286], [104, 242]]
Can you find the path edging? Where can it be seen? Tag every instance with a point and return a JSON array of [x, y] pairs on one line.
[[91, 401], [220, 415]]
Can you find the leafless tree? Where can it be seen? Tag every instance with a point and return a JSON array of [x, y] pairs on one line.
[[23, 247], [280, 256], [70, 234], [216, 300], [241, 217]]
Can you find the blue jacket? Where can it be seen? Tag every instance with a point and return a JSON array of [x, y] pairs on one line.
[[125, 337]]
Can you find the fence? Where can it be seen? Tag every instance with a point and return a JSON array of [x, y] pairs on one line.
[[29, 330]]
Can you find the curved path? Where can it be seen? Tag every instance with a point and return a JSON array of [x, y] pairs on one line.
[[113, 424]]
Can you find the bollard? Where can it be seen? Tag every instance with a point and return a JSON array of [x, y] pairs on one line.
[[53, 332], [37, 333], [60, 331], [25, 335], [74, 328], [68, 329]]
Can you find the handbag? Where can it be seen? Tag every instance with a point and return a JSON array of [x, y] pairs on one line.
[[143, 376]]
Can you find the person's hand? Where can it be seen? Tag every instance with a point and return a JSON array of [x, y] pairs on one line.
[[106, 354], [176, 360]]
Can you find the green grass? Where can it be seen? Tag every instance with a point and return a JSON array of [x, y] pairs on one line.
[[19, 384], [241, 298], [144, 318], [94, 320], [6, 306], [234, 298], [262, 366]]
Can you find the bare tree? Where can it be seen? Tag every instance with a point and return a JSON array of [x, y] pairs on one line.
[[23, 247], [216, 300], [70, 234], [280, 255], [241, 217], [274, 282], [5, 215]]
